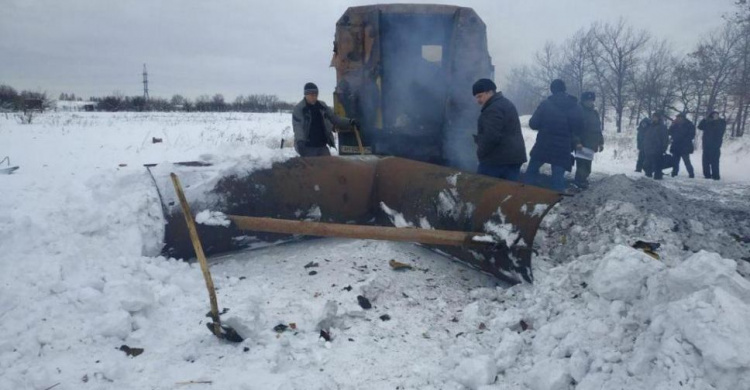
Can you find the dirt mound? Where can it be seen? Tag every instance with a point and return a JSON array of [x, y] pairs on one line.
[[621, 210]]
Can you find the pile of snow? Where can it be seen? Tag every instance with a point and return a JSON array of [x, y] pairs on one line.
[[624, 321]]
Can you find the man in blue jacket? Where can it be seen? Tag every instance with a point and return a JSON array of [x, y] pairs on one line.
[[556, 119], [500, 147]]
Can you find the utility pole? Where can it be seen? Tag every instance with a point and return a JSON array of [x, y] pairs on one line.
[[145, 86]]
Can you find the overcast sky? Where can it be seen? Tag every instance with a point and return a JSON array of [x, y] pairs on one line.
[[93, 47]]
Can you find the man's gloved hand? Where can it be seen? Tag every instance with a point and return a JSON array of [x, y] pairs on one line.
[[354, 122], [601, 148]]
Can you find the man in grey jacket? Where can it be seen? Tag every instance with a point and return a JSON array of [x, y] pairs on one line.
[[500, 147], [314, 123]]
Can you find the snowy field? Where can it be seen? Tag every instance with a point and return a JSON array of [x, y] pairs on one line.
[[80, 224]]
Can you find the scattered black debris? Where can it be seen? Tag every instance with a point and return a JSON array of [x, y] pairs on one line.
[[131, 351], [364, 302], [351, 339], [347, 288], [584, 284], [404, 294], [524, 325], [482, 326], [280, 328], [385, 317], [85, 378], [454, 319], [227, 333], [246, 349], [313, 273], [311, 264], [459, 334], [325, 335], [243, 277]]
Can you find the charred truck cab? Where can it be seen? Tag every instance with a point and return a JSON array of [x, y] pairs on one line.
[[406, 71]]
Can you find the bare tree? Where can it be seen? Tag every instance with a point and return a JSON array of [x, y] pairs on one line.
[[715, 61], [654, 84], [619, 49], [575, 62]]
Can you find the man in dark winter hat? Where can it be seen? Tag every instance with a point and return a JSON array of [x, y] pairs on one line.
[[642, 126], [682, 132], [713, 135], [500, 147], [588, 136], [556, 118], [655, 143], [314, 123]]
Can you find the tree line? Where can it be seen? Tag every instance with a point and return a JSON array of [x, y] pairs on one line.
[[634, 74], [12, 100]]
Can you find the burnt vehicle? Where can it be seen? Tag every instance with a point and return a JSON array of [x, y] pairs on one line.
[[406, 71]]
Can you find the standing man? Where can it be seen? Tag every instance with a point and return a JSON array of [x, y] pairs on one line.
[[588, 136], [713, 135], [642, 126], [500, 147], [555, 119], [682, 132], [313, 122], [655, 143]]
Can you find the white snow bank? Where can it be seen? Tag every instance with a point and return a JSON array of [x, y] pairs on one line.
[[625, 321]]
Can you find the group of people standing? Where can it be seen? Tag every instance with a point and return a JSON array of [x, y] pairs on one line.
[[569, 132], [654, 138]]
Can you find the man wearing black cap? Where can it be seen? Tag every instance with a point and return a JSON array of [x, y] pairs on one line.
[[313, 122], [655, 143], [588, 136], [500, 147], [556, 118], [713, 135], [682, 132]]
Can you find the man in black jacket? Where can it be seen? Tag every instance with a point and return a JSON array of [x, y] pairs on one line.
[[313, 122], [642, 126], [555, 119], [500, 147], [682, 132], [713, 135], [588, 136], [655, 143]]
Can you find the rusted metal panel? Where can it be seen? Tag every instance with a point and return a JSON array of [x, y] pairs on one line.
[[355, 189]]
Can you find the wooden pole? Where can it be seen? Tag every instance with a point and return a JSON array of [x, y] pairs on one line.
[[359, 140], [199, 253], [423, 236]]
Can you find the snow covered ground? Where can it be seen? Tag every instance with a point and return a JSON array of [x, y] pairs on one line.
[[80, 223]]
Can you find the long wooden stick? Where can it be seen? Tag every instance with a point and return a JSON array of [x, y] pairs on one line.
[[199, 253], [423, 236], [359, 140]]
